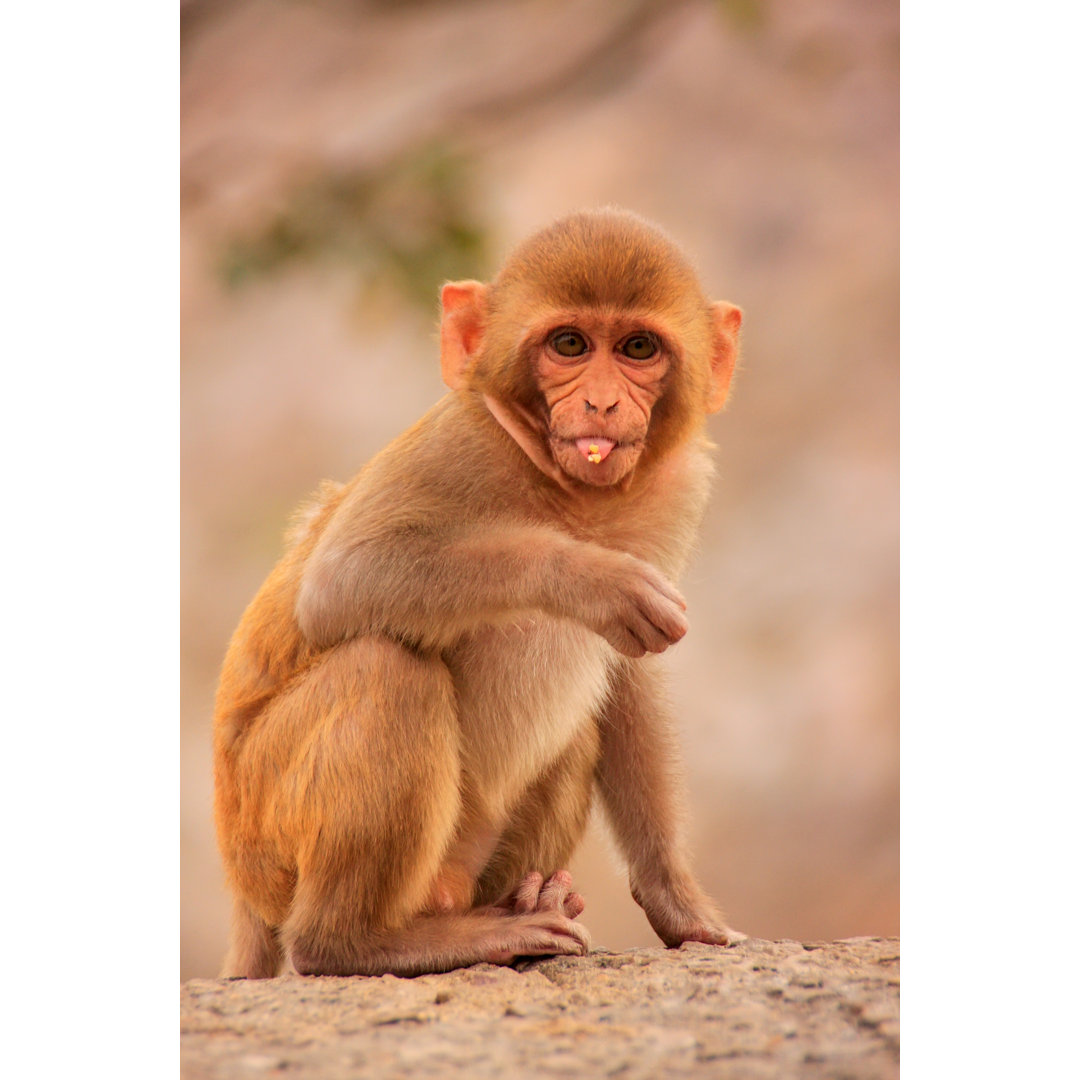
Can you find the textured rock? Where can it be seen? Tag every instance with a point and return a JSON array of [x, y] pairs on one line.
[[763, 1009]]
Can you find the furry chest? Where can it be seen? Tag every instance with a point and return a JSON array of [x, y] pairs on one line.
[[524, 689]]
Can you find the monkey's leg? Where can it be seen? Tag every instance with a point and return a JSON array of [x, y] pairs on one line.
[[434, 943], [254, 952], [372, 799], [454, 887], [547, 824]]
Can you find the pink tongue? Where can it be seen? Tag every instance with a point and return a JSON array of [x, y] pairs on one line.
[[603, 447]]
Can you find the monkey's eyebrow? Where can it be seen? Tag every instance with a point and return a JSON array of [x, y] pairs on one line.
[[533, 339]]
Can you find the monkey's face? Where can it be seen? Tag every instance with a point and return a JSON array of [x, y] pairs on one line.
[[593, 346], [600, 377]]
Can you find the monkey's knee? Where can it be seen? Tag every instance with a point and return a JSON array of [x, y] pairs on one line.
[[391, 717], [385, 756]]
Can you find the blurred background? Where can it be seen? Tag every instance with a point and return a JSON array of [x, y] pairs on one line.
[[340, 159]]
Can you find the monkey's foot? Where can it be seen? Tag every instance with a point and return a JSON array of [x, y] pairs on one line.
[[542, 933], [539, 919], [441, 942]]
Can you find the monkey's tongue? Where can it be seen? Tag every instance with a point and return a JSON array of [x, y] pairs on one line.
[[591, 447]]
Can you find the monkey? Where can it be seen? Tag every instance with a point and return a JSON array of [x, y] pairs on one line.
[[459, 647]]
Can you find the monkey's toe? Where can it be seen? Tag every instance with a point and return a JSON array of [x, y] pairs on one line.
[[534, 894], [555, 891], [573, 905], [522, 901]]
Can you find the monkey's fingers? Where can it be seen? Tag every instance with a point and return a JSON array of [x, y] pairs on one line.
[[625, 641], [675, 922], [715, 935], [654, 624], [664, 587], [667, 619], [573, 905], [652, 639], [636, 632]]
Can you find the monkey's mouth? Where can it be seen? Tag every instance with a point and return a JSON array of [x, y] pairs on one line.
[[594, 448], [596, 460]]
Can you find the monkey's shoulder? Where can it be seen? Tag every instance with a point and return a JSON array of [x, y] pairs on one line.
[[447, 459], [443, 472]]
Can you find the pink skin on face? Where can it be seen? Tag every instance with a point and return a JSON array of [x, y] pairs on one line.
[[601, 395]]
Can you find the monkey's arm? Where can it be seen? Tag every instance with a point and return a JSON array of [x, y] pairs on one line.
[[431, 584], [640, 789]]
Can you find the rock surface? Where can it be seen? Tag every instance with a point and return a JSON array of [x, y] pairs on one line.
[[762, 1009]]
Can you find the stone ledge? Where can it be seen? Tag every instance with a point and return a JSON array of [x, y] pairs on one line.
[[762, 1009]]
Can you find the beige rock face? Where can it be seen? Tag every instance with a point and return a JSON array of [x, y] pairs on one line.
[[762, 1009]]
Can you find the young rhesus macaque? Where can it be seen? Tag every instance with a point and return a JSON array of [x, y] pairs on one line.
[[454, 650]]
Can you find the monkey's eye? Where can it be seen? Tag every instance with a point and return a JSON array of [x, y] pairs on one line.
[[568, 343], [639, 347]]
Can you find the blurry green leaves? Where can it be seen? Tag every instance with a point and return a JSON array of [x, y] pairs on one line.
[[410, 226], [745, 14]]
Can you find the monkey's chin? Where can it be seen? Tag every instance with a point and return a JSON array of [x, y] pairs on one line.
[[615, 467]]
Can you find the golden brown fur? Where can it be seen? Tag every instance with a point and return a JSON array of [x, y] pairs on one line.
[[417, 705]]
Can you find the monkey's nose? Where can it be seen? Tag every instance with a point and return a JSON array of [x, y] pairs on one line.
[[607, 409]]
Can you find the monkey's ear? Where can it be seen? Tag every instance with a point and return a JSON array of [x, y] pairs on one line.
[[464, 312], [726, 320]]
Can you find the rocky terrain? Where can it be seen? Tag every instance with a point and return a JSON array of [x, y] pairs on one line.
[[762, 1009]]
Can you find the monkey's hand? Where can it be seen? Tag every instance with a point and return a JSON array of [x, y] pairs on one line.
[[677, 918], [633, 606]]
